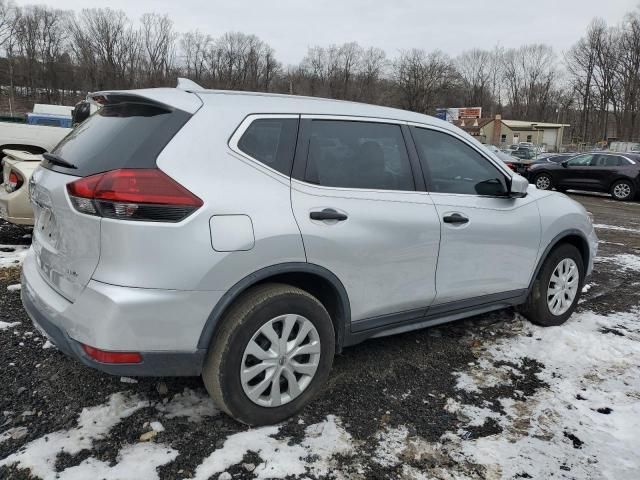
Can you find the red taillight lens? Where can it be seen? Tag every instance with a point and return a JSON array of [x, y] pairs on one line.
[[14, 183], [133, 194], [511, 166], [103, 356]]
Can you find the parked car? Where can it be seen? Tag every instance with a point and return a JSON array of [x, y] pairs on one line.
[[16, 168], [247, 237], [32, 138], [615, 173], [18, 165]]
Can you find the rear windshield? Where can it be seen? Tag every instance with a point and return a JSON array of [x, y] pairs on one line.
[[123, 135]]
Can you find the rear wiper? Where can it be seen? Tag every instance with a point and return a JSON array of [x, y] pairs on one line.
[[57, 160]]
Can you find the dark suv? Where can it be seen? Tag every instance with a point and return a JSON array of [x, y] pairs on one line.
[[616, 173]]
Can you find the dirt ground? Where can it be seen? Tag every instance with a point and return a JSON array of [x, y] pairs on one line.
[[393, 404]]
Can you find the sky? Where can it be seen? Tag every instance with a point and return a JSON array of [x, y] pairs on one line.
[[453, 26]]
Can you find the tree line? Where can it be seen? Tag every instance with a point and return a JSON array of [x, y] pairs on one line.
[[56, 56]]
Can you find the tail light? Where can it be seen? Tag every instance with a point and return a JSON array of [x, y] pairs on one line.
[[14, 183], [511, 166], [133, 194]]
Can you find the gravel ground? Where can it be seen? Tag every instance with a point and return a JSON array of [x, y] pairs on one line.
[[400, 389]]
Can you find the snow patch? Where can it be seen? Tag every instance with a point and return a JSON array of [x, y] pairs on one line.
[[626, 261], [5, 325], [193, 405], [14, 288], [94, 423], [615, 227], [587, 420], [280, 459], [134, 462], [12, 255]]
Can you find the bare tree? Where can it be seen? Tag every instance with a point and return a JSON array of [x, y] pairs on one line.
[[158, 46], [421, 78]]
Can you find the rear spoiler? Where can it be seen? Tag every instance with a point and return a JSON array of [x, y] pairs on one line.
[[21, 155], [172, 98]]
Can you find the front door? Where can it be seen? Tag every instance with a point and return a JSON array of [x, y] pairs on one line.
[[361, 216], [489, 242], [577, 172]]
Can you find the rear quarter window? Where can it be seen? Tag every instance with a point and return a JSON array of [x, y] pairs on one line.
[[271, 141], [122, 135]]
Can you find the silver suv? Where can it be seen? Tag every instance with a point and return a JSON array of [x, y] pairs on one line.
[[249, 237]]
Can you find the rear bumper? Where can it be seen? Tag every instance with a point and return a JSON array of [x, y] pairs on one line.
[[121, 319], [15, 207]]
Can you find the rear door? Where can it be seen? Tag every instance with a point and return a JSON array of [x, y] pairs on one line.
[[128, 133], [606, 169], [364, 216], [489, 242]]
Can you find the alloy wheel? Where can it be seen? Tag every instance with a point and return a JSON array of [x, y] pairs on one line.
[[622, 190], [543, 182], [280, 360], [563, 286]]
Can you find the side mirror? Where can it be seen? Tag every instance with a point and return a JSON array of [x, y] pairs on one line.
[[519, 186], [565, 163]]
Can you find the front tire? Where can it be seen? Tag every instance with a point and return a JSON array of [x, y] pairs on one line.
[[622, 190], [271, 355], [557, 287], [543, 182]]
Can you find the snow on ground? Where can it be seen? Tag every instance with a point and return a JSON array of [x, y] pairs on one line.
[[14, 288], [587, 421], [93, 424], [193, 405], [281, 459], [5, 325], [135, 462], [12, 255], [626, 261], [603, 226]]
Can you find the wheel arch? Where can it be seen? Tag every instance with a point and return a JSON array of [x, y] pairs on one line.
[[314, 279], [573, 237], [619, 178]]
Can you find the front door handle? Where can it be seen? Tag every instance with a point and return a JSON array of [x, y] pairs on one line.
[[328, 214], [455, 218]]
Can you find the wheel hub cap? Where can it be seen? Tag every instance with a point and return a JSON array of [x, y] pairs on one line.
[[563, 286], [280, 360]]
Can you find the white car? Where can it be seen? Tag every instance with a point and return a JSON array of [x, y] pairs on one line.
[[17, 167]]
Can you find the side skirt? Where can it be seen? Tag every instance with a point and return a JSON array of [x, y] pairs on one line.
[[392, 324]]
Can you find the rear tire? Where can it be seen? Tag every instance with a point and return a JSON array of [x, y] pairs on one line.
[[543, 182], [549, 303], [622, 190], [260, 317]]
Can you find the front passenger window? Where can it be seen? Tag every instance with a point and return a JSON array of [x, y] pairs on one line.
[[455, 167]]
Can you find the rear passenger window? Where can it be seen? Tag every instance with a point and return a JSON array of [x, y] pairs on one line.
[[609, 161], [351, 154], [455, 167], [271, 141]]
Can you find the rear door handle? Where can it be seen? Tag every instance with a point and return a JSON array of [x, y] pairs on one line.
[[328, 214], [455, 218]]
